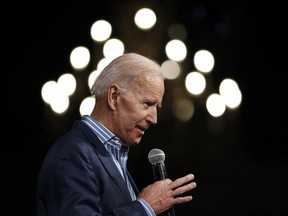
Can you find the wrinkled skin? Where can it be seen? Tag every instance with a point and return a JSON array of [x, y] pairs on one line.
[[163, 194]]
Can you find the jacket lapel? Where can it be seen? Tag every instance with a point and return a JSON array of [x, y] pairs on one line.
[[113, 171], [106, 159]]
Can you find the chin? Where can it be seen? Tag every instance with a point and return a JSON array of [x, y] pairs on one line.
[[136, 141]]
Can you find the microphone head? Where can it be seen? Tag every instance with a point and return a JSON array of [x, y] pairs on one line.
[[156, 156]]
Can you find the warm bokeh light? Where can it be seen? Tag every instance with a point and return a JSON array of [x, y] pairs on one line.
[[92, 77], [103, 63], [215, 105], [145, 18], [80, 57], [87, 105], [195, 83], [176, 50], [101, 30], [171, 69], [113, 48], [183, 109], [204, 61], [67, 83], [48, 91], [231, 93], [60, 102]]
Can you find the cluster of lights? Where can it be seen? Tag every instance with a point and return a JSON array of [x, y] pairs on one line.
[[57, 93]]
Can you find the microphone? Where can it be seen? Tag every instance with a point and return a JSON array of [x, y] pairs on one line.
[[157, 157]]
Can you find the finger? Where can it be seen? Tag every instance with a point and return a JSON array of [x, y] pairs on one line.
[[183, 189], [180, 200], [180, 181]]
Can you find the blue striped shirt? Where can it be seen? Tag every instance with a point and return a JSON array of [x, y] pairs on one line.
[[119, 154]]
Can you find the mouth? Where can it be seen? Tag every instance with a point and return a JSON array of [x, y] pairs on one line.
[[142, 129]]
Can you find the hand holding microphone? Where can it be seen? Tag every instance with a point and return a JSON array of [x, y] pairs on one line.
[[164, 193]]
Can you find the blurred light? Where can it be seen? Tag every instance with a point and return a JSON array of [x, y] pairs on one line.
[[101, 30], [195, 83], [54, 95], [48, 91], [87, 105], [183, 109], [57, 93], [60, 102], [145, 18], [79, 57], [231, 93], [177, 31], [103, 63], [171, 69], [113, 48], [176, 50], [92, 77], [204, 61], [67, 83], [215, 105]]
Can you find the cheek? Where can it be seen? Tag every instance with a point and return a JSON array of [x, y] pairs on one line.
[[131, 111], [132, 115], [128, 106], [127, 109]]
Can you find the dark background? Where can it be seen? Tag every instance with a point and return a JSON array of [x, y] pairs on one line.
[[239, 160]]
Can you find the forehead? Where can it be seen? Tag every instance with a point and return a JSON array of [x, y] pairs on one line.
[[149, 81], [151, 87]]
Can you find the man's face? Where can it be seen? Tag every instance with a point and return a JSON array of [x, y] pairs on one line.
[[138, 109]]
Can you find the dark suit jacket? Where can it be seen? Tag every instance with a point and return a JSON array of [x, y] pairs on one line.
[[78, 177]]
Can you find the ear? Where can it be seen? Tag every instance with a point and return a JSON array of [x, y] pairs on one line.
[[113, 94]]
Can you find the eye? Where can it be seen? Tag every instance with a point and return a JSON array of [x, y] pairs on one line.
[[151, 103]]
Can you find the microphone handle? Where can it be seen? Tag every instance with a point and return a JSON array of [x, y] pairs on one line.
[[160, 173]]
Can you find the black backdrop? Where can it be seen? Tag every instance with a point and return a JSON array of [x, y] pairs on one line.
[[239, 161]]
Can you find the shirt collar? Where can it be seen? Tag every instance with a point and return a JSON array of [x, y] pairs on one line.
[[103, 133]]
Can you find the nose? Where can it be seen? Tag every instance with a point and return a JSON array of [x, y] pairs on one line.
[[152, 116]]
